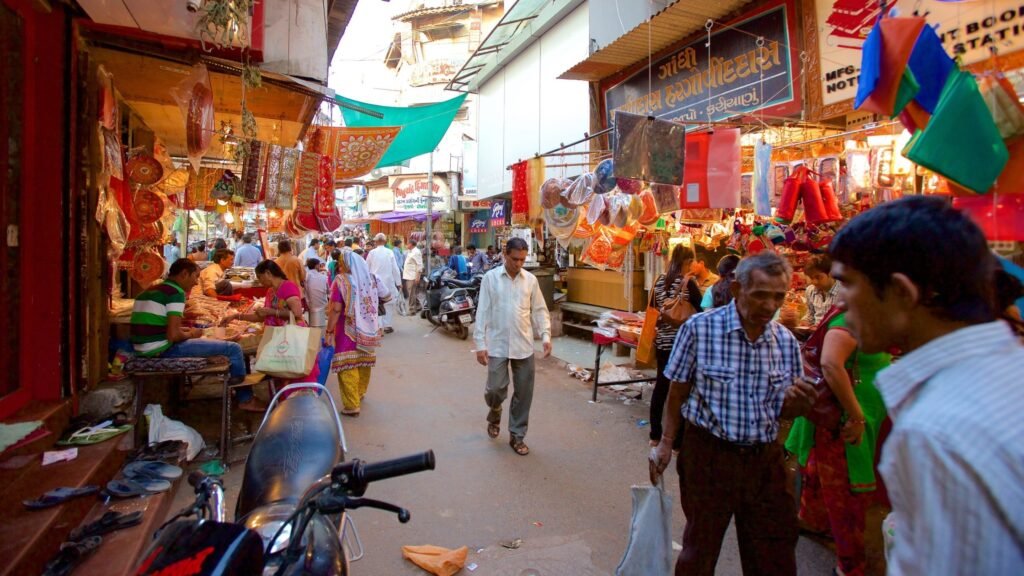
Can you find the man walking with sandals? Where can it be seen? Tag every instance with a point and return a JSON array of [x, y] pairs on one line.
[[511, 308]]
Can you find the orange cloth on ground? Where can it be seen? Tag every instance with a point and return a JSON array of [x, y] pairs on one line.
[[436, 560]]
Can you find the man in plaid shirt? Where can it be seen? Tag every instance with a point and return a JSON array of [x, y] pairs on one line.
[[735, 373]]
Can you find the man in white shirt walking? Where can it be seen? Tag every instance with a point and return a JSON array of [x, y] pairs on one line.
[[312, 251], [511, 308], [411, 274], [918, 275], [382, 263]]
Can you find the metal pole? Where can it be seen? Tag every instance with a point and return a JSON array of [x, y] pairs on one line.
[[430, 210]]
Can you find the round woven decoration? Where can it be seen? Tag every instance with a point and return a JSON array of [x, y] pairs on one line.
[[144, 170], [149, 206], [147, 268]]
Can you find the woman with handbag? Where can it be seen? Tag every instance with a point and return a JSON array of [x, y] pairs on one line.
[[677, 297], [835, 445], [354, 328], [282, 303]]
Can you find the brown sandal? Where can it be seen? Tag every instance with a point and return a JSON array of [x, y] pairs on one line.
[[519, 446], [493, 430]]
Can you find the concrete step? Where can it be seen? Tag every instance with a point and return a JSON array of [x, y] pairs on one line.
[[29, 538]]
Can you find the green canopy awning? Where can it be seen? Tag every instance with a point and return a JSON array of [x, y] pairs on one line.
[[423, 127]]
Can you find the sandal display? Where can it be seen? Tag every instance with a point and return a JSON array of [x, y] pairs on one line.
[[59, 496]]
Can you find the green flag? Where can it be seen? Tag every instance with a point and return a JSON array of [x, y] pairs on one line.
[[423, 127]]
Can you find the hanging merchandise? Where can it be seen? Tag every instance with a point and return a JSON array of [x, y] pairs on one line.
[[520, 196], [307, 183], [961, 117], [551, 192], [648, 149], [279, 184], [147, 268], [116, 225], [106, 99], [254, 168], [649, 213], [712, 178], [598, 208], [629, 185], [357, 150], [113, 162], [604, 177], [884, 86], [666, 197], [762, 174], [194, 96], [561, 222], [143, 169], [199, 188], [226, 189], [149, 206], [858, 173], [175, 182], [534, 179], [597, 253], [810, 195], [1003, 103], [579, 192], [327, 215]]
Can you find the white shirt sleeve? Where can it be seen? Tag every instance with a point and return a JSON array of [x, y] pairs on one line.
[[539, 312], [483, 313]]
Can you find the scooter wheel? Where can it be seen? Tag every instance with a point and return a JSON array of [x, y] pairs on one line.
[[463, 332]]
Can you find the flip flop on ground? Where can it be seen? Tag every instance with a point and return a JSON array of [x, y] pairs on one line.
[[59, 496]]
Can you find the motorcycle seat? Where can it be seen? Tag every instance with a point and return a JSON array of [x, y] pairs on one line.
[[461, 283], [298, 444]]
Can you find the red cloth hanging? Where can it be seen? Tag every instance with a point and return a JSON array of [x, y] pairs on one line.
[[711, 178], [520, 194], [694, 192], [1001, 217]]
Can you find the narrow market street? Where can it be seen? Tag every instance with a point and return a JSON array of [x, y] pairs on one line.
[[568, 500]]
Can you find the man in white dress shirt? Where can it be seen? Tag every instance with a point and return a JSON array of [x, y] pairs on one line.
[[918, 275], [511, 308], [382, 262]]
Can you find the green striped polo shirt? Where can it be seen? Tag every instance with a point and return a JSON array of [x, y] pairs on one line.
[[149, 317]]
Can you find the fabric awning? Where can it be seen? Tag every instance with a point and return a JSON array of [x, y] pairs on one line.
[[395, 217], [423, 127]]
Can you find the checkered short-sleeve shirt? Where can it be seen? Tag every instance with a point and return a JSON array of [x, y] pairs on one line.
[[738, 385]]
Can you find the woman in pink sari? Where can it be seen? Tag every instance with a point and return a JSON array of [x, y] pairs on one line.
[[353, 327], [282, 302]]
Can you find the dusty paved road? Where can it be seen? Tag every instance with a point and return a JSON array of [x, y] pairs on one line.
[[569, 500]]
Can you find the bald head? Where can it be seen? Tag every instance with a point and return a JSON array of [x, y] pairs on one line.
[[380, 239]]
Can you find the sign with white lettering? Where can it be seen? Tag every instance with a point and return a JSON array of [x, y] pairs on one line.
[[380, 200], [750, 67], [969, 28], [411, 193]]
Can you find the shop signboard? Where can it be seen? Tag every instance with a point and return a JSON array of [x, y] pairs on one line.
[[474, 204], [968, 28], [739, 76], [411, 193], [380, 200], [499, 213], [478, 224]]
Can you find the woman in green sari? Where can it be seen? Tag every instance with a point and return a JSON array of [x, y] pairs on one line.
[[838, 467]]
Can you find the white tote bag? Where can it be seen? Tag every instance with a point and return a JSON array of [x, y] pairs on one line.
[[649, 552], [287, 351]]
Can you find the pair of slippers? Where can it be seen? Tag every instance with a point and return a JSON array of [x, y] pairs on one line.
[[85, 540], [143, 477]]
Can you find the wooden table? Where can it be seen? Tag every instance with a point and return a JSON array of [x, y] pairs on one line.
[[603, 342]]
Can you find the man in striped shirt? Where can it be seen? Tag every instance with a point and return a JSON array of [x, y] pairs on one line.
[[917, 275], [734, 373], [157, 331]]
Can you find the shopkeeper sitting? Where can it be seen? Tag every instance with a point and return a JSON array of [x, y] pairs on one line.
[[211, 279], [157, 329]]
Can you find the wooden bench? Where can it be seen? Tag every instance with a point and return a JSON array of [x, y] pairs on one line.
[[184, 377]]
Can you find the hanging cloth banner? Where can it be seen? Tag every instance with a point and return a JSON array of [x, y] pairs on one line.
[[712, 176], [422, 127], [307, 184], [279, 184], [357, 150], [520, 195]]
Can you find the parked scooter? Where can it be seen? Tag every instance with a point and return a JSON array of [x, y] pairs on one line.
[[450, 302], [291, 517]]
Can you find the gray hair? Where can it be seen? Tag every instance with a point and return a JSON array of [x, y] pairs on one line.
[[768, 262], [421, 244], [380, 238]]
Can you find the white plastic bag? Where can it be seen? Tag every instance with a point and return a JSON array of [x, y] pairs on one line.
[[163, 428], [649, 552], [287, 351]]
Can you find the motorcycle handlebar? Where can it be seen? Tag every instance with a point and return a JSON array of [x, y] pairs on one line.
[[399, 466]]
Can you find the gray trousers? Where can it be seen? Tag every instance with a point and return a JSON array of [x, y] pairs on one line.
[[522, 396]]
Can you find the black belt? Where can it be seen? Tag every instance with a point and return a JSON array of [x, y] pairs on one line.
[[726, 445]]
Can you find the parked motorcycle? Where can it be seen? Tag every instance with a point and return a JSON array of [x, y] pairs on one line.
[[450, 302], [292, 513]]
